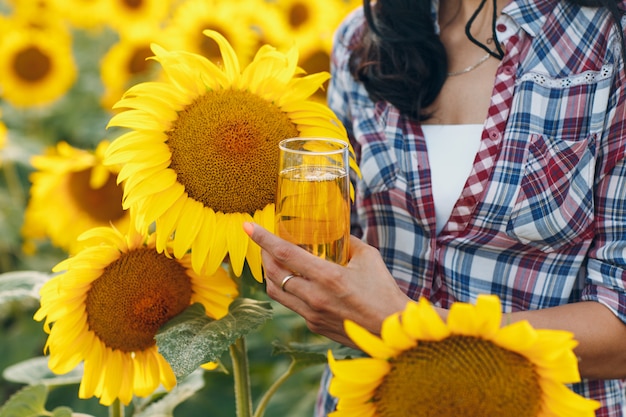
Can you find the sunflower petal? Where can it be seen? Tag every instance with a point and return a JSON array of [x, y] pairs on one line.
[[187, 227], [394, 335], [360, 370], [203, 240], [421, 322], [229, 57], [237, 242], [370, 344]]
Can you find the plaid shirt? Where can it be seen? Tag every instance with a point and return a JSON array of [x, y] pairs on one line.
[[541, 221]]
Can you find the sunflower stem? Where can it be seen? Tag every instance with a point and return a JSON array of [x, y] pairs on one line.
[[116, 409], [241, 375], [260, 411]]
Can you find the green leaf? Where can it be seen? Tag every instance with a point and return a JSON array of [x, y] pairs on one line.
[[28, 402], [311, 354], [62, 412], [18, 285], [192, 339], [36, 371], [302, 355], [164, 407]]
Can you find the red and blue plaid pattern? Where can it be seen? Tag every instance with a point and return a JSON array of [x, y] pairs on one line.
[[541, 221]]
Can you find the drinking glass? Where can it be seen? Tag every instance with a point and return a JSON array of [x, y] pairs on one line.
[[313, 196]]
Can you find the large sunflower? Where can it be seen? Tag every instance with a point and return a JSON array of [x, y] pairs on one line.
[[108, 303], [421, 366], [36, 66], [71, 192], [202, 156]]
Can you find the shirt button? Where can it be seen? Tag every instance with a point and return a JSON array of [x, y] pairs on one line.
[[494, 134], [501, 27], [508, 70]]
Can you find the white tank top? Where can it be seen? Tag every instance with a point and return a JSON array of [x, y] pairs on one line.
[[451, 153]]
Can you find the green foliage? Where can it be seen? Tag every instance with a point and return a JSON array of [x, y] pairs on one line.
[[28, 402], [164, 407], [193, 339]]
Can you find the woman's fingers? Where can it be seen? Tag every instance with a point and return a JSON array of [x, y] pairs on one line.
[[289, 256]]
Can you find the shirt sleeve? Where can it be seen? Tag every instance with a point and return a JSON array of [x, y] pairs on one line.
[[606, 266]]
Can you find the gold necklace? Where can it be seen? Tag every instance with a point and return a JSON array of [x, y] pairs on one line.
[[471, 67]]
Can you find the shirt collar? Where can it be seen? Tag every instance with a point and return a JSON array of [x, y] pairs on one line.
[[528, 14]]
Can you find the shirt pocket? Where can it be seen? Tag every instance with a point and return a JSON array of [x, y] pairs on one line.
[[554, 207]]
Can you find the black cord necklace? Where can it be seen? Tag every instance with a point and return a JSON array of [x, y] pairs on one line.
[[499, 53]]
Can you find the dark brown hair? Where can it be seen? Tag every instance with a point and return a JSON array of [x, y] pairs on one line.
[[401, 59]]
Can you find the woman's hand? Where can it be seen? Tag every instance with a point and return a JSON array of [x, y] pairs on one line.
[[324, 293]]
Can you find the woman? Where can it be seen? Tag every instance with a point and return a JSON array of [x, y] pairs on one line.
[[492, 139]]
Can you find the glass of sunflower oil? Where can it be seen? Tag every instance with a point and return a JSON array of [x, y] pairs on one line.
[[313, 196]]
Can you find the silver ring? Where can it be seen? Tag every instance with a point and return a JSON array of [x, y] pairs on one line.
[[287, 278]]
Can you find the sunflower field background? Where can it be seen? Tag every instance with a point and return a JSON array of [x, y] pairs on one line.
[[63, 66]]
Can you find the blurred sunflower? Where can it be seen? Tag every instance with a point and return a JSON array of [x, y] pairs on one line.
[[202, 155], [83, 14], [468, 367], [192, 17], [107, 304], [126, 62], [125, 13], [269, 25], [3, 132], [71, 192], [3, 137], [312, 25], [309, 22], [39, 14], [36, 66]]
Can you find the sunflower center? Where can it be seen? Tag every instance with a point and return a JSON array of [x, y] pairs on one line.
[[459, 376], [133, 4], [134, 297], [138, 63], [207, 46], [224, 149], [31, 64], [103, 204], [318, 61], [298, 15]]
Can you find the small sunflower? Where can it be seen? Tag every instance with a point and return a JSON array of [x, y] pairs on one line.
[[125, 13], [36, 66], [310, 22], [202, 156], [311, 26], [421, 366], [192, 17], [38, 14], [270, 26], [127, 63], [71, 192], [83, 14], [107, 304]]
